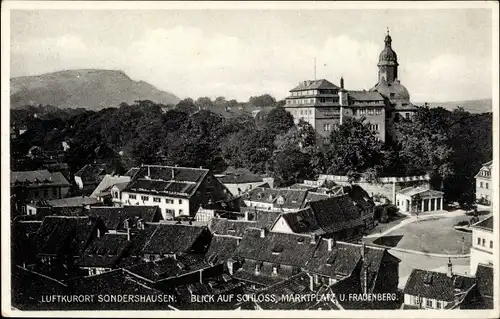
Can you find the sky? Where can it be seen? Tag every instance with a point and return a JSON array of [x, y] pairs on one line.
[[444, 54]]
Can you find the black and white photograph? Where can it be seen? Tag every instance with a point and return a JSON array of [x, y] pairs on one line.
[[331, 158]]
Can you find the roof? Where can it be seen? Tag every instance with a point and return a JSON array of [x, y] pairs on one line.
[[313, 197], [282, 197], [336, 213], [221, 248], [366, 96], [281, 248], [72, 201], [58, 233], [294, 286], [422, 191], [91, 173], [104, 251], [107, 182], [313, 85], [114, 217], [131, 172], [166, 268], [486, 224], [167, 180], [436, 285], [239, 178], [302, 221], [484, 284], [165, 239], [38, 178], [343, 258], [488, 164], [231, 227], [115, 282]]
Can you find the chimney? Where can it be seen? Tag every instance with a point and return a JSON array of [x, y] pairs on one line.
[[330, 244], [201, 276], [173, 174], [128, 234], [98, 233], [149, 172], [449, 270], [363, 252], [246, 215], [341, 82], [263, 233]]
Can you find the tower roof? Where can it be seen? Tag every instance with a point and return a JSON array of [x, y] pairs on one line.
[[388, 56]]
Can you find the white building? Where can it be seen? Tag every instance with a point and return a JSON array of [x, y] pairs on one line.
[[419, 199], [482, 243], [178, 191], [483, 184]]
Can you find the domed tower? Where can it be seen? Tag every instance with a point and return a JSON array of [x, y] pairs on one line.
[[388, 62]]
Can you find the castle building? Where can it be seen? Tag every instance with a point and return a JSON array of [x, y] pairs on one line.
[[325, 105]]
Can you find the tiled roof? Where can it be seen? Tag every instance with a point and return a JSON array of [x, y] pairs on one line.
[[115, 282], [166, 239], [114, 217], [38, 178], [294, 286], [336, 213], [316, 84], [131, 172], [60, 232], [484, 280], [436, 285], [486, 223], [302, 222], [239, 177], [231, 227], [91, 173], [104, 251], [488, 164], [166, 268], [313, 197], [291, 198], [281, 248], [72, 201], [168, 180], [366, 96], [343, 258], [107, 182], [221, 248], [263, 279], [266, 219]]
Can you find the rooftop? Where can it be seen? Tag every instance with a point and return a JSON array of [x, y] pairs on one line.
[[486, 224], [37, 178], [107, 182], [104, 251], [91, 173], [114, 217], [314, 85], [437, 285]]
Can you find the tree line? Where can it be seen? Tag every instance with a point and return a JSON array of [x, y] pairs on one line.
[[450, 146]]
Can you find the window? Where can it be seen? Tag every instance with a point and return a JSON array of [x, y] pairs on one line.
[[491, 243], [181, 211], [132, 196], [46, 192], [326, 127], [257, 269], [180, 201], [428, 303], [370, 112], [407, 115], [439, 305], [169, 201], [54, 191], [115, 195], [481, 185], [486, 184], [479, 241], [144, 198], [417, 300], [483, 242], [275, 270], [157, 199]]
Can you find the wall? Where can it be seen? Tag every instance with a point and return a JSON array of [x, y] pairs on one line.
[[281, 226], [478, 252], [164, 204]]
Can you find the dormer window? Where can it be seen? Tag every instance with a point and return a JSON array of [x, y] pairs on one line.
[[281, 200], [275, 270], [257, 269]]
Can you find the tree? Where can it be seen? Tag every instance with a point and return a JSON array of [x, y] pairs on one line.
[[353, 149], [291, 166], [204, 103], [262, 100], [187, 106], [279, 121]]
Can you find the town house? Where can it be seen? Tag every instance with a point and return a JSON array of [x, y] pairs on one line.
[[178, 191], [483, 241], [483, 184]]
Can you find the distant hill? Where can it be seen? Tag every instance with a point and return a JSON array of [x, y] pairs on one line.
[[91, 89], [472, 106]]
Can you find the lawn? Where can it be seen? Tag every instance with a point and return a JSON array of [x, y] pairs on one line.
[[435, 235]]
